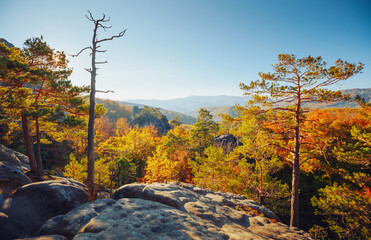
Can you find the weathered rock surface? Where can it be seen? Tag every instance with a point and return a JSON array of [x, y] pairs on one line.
[[31, 205], [8, 44], [234, 215], [12, 175], [227, 142], [170, 211], [151, 117], [15, 158], [130, 218], [9, 229]]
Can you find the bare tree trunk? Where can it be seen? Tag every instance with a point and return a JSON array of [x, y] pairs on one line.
[[90, 181], [28, 143], [99, 23]]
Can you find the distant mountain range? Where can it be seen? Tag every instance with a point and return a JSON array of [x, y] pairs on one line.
[[191, 103], [187, 108]]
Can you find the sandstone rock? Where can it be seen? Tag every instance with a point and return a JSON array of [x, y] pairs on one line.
[[227, 212], [12, 174], [134, 219], [31, 205], [9, 229], [227, 142], [151, 117], [8, 44], [8, 155], [15, 158]]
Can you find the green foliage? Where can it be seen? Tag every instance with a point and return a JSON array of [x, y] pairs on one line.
[[135, 147], [75, 169], [115, 110], [155, 112], [346, 207], [203, 131], [170, 161]]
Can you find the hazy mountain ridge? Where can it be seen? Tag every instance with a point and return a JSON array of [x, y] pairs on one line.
[[173, 108], [191, 103]]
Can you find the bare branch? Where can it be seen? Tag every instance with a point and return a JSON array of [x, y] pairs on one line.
[[88, 70], [116, 36], [76, 55], [101, 62], [108, 91], [90, 18]]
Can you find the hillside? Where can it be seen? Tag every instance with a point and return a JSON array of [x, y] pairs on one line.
[[187, 108], [183, 118], [191, 103], [173, 108]]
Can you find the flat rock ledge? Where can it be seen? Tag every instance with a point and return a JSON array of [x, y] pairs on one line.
[[170, 211]]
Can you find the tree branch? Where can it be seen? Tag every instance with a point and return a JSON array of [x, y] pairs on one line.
[[116, 36], [108, 91], [76, 55]]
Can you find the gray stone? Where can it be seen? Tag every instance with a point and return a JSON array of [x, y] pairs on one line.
[[134, 219], [8, 155], [9, 173], [9, 229], [8, 44], [224, 211], [15, 158], [31, 205], [151, 117], [227, 142]]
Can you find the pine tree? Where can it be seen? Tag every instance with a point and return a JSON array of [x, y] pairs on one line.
[[281, 95]]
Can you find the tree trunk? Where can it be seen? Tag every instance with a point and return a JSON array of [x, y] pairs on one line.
[[28, 143], [294, 221], [38, 150], [90, 181]]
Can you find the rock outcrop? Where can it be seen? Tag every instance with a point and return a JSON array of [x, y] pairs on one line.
[[13, 157], [33, 204], [12, 175], [151, 117], [12, 167], [170, 211], [227, 142], [8, 44]]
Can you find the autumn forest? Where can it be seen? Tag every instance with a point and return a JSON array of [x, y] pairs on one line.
[[310, 166]]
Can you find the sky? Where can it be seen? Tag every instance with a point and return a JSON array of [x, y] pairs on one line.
[[175, 48]]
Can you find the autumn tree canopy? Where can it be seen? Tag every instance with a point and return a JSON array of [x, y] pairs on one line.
[[281, 95]]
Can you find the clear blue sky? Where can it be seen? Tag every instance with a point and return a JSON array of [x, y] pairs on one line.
[[176, 48]]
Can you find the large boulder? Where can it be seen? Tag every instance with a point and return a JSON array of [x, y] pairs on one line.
[[12, 175], [234, 215], [151, 117], [13, 157], [227, 142], [31, 205], [12, 167], [170, 211], [132, 219], [8, 44]]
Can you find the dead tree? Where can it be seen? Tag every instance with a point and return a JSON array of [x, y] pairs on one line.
[[98, 23]]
